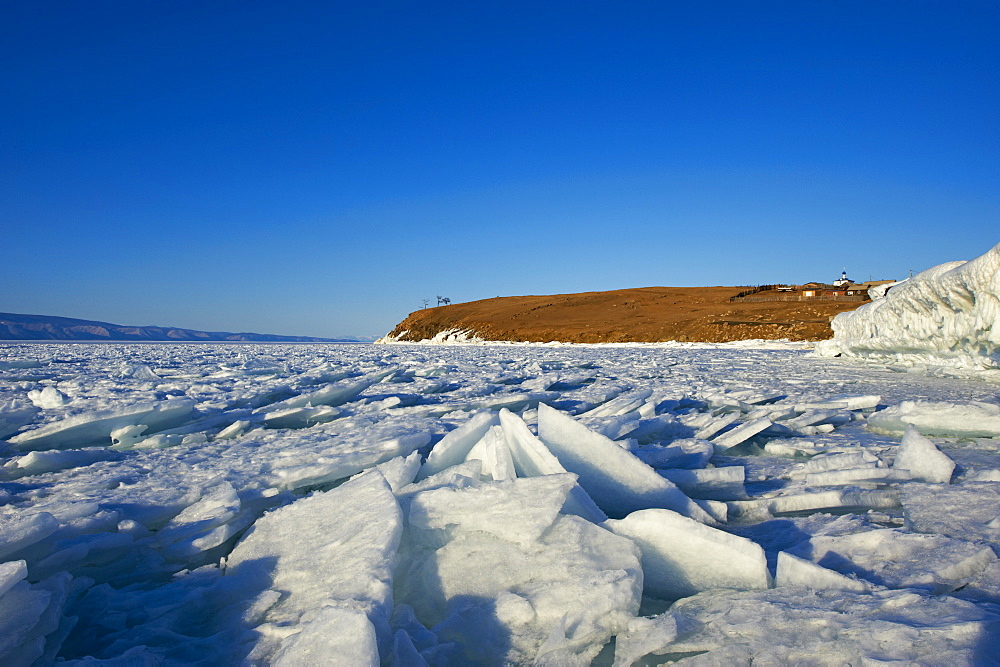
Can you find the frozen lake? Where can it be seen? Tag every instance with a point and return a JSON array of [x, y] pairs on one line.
[[555, 504]]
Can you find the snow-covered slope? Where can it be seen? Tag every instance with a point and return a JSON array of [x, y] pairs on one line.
[[949, 314]]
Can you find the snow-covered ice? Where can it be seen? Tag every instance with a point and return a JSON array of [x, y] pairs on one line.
[[947, 314], [449, 504]]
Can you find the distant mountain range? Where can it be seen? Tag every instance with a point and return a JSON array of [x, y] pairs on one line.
[[44, 327]]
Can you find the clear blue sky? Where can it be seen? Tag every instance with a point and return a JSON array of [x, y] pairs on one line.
[[319, 168]]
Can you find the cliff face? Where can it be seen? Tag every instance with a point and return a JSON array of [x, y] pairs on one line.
[[647, 314]]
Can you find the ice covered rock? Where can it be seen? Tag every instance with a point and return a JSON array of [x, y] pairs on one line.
[[946, 314], [617, 481], [334, 549], [922, 459], [95, 428], [939, 418], [681, 557]]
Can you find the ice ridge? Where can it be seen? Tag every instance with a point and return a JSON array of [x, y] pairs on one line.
[[948, 314]]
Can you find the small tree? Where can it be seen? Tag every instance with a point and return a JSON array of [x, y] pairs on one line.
[[426, 302]]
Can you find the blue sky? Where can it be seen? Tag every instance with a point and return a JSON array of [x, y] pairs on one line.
[[319, 168]]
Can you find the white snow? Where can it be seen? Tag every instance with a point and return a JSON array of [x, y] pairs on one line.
[[418, 504], [947, 314]]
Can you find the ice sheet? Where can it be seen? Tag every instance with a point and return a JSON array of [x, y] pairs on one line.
[[128, 543]]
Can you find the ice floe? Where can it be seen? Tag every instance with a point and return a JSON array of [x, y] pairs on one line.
[[410, 505]]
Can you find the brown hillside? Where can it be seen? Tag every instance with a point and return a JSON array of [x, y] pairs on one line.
[[645, 314]]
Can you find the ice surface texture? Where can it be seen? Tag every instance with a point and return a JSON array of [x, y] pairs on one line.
[[409, 505], [947, 314]]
